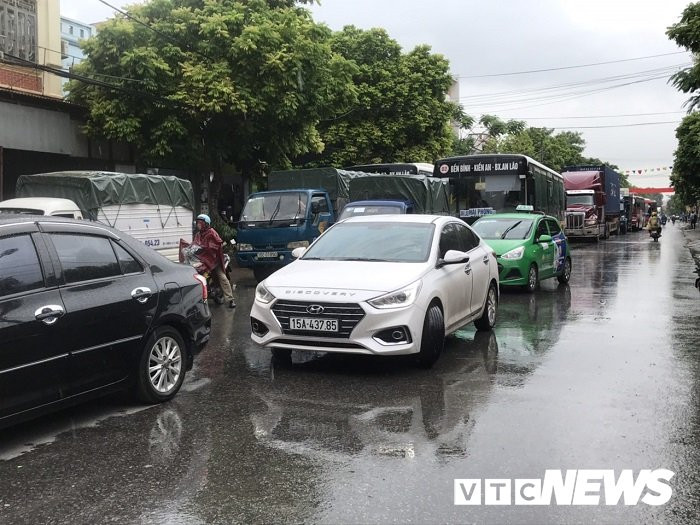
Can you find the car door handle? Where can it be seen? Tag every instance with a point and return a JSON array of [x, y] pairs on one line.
[[141, 294], [468, 269], [49, 314], [485, 260]]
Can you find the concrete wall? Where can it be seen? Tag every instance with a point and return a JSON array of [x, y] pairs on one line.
[[35, 129]]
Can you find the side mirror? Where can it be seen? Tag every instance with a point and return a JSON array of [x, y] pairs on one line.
[[453, 257], [315, 208], [545, 238], [298, 252]]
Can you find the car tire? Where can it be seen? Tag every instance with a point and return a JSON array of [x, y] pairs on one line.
[[282, 356], [433, 338], [166, 348], [533, 279], [488, 318], [565, 275]]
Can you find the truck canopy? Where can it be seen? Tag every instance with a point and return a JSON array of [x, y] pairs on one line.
[[598, 178], [428, 194], [334, 181], [582, 180], [93, 190]]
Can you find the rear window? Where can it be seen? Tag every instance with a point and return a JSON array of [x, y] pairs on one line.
[[20, 270]]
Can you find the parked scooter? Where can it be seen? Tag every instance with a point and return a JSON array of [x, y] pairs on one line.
[[188, 255]]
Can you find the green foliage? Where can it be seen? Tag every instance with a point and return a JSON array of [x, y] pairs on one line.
[[686, 165], [214, 82], [225, 231], [686, 177], [686, 33], [400, 113]]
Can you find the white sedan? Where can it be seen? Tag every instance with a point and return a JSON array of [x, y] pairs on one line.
[[381, 285]]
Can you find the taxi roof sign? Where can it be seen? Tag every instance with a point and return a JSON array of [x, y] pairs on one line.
[[525, 207]]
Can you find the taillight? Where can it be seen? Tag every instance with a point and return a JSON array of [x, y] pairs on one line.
[[203, 282]]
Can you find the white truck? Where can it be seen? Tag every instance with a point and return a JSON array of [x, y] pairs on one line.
[[154, 209]]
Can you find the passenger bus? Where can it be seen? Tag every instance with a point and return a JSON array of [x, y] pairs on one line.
[[495, 183], [398, 168]]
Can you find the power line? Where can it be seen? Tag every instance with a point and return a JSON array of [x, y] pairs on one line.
[[600, 116], [156, 31], [569, 67], [622, 125]]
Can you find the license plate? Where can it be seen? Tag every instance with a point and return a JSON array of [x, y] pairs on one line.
[[314, 325], [267, 255]]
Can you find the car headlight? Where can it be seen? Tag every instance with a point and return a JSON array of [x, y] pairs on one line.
[[398, 299], [590, 222], [262, 294], [515, 254], [245, 247], [297, 244]]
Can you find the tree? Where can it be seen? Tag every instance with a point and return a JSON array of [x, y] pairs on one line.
[[401, 113], [686, 177], [202, 83]]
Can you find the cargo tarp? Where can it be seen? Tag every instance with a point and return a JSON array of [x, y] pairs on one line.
[[334, 181], [92, 190], [428, 195], [582, 180]]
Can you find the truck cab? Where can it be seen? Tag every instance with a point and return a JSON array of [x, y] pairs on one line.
[[376, 207], [51, 206], [273, 223]]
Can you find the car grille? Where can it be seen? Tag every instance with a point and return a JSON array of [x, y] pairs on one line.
[[574, 220], [347, 314]]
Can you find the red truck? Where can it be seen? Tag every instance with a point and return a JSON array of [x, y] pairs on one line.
[[592, 201]]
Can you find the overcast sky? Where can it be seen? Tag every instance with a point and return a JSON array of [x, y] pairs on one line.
[[482, 37]]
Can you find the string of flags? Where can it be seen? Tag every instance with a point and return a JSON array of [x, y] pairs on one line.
[[648, 171]]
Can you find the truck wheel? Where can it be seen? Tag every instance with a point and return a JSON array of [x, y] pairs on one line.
[[488, 319], [565, 275], [532, 279], [433, 338]]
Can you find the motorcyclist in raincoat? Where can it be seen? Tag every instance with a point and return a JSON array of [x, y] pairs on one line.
[[212, 255], [654, 224]]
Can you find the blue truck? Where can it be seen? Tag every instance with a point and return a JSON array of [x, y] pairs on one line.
[[298, 207], [301, 204]]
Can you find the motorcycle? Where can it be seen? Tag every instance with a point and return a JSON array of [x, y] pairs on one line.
[[188, 255], [655, 234]]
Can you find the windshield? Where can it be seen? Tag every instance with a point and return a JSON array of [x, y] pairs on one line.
[[374, 241], [585, 199], [275, 207], [353, 211], [503, 228], [500, 193], [23, 211]]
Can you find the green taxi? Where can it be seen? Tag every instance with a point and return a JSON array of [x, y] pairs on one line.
[[529, 247]]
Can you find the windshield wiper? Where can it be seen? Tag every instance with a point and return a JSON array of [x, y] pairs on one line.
[[509, 228], [277, 209]]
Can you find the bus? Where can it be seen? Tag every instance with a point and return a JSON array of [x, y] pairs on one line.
[[397, 168], [497, 183]]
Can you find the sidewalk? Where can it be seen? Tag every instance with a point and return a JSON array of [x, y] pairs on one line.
[[692, 240]]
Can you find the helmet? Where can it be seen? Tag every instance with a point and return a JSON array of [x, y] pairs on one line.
[[203, 217], [653, 213]]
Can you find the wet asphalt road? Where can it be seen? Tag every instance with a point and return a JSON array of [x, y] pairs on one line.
[[603, 373]]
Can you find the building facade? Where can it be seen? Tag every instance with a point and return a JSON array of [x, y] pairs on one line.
[[72, 32]]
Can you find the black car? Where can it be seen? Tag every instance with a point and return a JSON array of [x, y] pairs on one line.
[[86, 310]]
